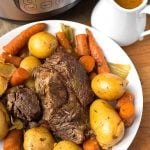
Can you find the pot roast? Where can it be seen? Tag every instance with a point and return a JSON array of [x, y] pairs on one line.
[[64, 89], [20, 101]]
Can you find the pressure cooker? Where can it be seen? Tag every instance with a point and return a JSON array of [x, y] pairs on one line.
[[33, 9]]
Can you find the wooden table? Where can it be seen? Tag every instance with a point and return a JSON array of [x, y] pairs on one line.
[[139, 53]]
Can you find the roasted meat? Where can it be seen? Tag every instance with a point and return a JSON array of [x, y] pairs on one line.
[[23, 103], [73, 73], [65, 92]]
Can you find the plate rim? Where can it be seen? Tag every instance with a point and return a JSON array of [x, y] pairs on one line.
[[98, 32]]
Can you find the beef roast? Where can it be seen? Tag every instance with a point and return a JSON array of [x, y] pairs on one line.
[[65, 92], [73, 73], [23, 103]]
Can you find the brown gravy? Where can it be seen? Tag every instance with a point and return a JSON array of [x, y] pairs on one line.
[[129, 4]]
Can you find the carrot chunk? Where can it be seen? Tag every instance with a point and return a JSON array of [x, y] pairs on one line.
[[97, 53], [19, 76], [64, 42], [126, 108], [82, 45], [16, 44], [87, 62], [15, 60]]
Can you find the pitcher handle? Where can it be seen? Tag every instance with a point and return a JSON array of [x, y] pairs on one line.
[[146, 10]]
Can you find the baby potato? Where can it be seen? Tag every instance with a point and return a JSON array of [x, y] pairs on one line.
[[66, 145], [4, 121], [3, 85], [29, 63], [42, 44], [108, 86], [38, 138], [30, 83], [106, 123]]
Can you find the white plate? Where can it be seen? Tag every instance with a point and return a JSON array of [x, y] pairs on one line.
[[114, 54]]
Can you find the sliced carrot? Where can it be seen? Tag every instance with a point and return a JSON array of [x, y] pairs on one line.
[[13, 140], [126, 108], [82, 45], [97, 53], [92, 75], [16, 44], [19, 76], [127, 96], [15, 60], [87, 62], [64, 42], [91, 144]]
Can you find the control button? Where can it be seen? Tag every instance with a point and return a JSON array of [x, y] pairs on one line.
[[30, 7], [46, 5], [41, 6]]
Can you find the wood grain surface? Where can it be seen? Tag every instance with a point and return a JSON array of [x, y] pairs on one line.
[[139, 53]]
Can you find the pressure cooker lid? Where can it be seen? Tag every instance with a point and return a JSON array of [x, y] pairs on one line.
[[41, 6]]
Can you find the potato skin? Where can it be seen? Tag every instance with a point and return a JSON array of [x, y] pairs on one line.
[[4, 121], [42, 44], [106, 123], [38, 138], [30, 83], [66, 145], [29, 63], [108, 86], [3, 85]]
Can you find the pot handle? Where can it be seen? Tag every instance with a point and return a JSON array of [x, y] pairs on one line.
[[146, 10]]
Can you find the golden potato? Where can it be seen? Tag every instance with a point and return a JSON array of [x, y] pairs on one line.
[[3, 85], [42, 44], [6, 70], [30, 83], [108, 86], [106, 123], [4, 121], [29, 63], [66, 145], [38, 138]]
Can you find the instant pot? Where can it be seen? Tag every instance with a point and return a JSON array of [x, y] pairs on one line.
[[33, 9]]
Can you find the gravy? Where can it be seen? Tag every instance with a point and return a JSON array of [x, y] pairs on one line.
[[129, 4]]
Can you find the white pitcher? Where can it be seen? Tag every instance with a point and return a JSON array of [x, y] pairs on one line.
[[125, 26]]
